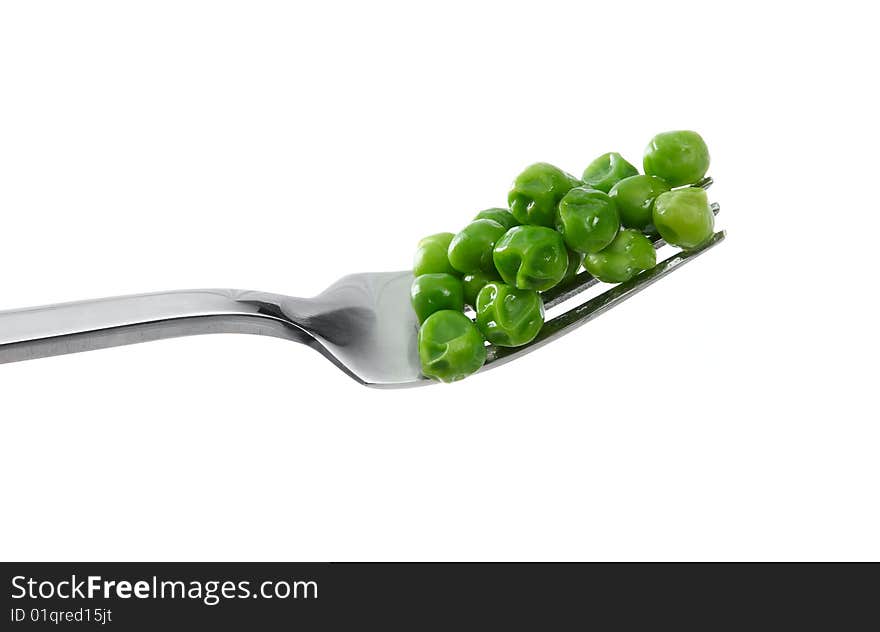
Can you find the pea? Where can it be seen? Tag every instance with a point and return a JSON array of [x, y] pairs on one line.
[[450, 346], [509, 317], [500, 215], [678, 157], [683, 217], [629, 253], [473, 283], [606, 171], [431, 257], [587, 219], [575, 261], [430, 293], [471, 249], [531, 257], [536, 193], [635, 197]]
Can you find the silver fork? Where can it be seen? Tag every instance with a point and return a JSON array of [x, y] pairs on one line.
[[363, 323]]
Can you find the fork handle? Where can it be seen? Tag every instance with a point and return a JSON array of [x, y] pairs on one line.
[[40, 332]]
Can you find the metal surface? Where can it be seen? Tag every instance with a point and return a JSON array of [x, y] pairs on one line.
[[363, 323]]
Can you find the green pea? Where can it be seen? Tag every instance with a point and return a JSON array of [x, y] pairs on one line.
[[635, 197], [471, 249], [500, 215], [473, 283], [575, 261], [430, 293], [450, 346], [531, 257], [678, 157], [606, 171], [683, 217], [509, 317], [626, 256], [536, 193], [431, 257], [587, 219]]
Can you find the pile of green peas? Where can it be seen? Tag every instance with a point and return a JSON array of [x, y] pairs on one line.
[[499, 264]]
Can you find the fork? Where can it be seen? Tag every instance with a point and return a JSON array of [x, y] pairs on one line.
[[363, 323]]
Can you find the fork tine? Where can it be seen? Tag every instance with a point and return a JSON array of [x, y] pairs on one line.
[[705, 183], [581, 314], [584, 280]]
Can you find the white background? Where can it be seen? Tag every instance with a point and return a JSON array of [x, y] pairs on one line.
[[730, 412]]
